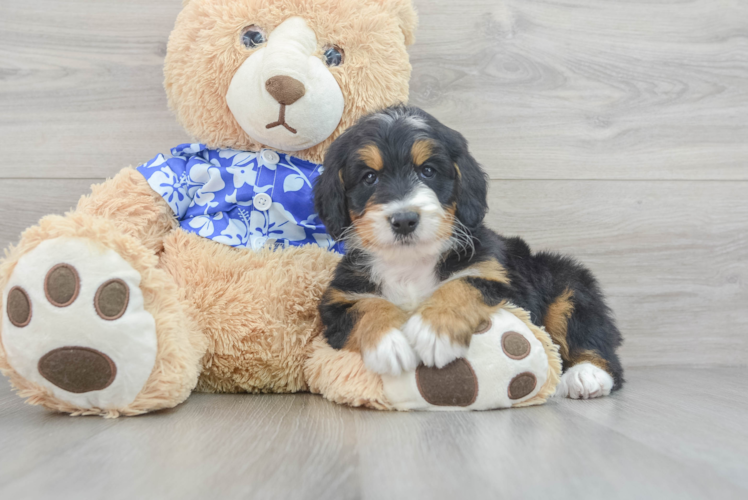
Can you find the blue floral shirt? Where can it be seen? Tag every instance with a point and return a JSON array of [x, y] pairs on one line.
[[240, 198]]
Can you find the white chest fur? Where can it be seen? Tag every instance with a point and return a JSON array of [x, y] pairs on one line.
[[405, 281]]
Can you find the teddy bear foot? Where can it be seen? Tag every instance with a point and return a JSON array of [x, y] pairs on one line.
[[75, 323], [509, 363]]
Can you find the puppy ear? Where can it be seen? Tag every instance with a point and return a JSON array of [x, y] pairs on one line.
[[472, 181], [329, 191], [472, 190]]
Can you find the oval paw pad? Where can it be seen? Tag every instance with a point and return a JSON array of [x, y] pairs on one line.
[[111, 299], [515, 345], [522, 385], [19, 307], [78, 369], [62, 285], [453, 385]]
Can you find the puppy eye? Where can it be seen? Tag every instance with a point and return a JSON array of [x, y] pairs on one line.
[[334, 55], [428, 172], [370, 178], [252, 37]]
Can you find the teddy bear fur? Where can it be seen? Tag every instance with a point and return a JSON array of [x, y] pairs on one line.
[[228, 319]]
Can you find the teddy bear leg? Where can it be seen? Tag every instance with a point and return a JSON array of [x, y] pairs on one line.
[[341, 377], [91, 324]]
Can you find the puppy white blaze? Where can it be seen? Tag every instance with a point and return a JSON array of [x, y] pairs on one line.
[[392, 356], [426, 237], [434, 350], [290, 52], [584, 381], [407, 271]]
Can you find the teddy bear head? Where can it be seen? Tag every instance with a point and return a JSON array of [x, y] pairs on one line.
[[289, 75]]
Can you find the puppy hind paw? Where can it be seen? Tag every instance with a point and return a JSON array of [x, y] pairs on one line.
[[433, 349], [584, 381], [392, 356]]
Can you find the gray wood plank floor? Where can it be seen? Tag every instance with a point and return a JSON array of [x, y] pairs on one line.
[[613, 131], [673, 432]]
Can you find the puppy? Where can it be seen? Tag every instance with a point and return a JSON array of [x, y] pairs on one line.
[[422, 273]]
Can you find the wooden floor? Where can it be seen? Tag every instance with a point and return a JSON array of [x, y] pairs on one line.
[[671, 433], [614, 131]]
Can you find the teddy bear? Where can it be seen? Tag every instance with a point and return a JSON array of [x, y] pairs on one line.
[[202, 269]]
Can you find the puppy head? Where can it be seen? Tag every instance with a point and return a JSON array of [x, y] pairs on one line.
[[399, 178]]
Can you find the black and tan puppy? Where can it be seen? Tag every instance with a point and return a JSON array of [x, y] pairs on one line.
[[422, 272]]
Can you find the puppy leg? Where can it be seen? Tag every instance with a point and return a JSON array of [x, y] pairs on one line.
[[579, 323], [443, 326], [370, 326]]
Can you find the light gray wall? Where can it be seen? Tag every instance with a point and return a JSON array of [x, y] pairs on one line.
[[613, 130]]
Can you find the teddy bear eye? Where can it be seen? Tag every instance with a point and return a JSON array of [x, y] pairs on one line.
[[334, 56], [252, 37]]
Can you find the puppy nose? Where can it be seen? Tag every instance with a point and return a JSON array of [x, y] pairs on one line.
[[404, 222], [78, 369], [285, 89]]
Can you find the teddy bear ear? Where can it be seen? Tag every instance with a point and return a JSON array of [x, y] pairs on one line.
[[406, 15]]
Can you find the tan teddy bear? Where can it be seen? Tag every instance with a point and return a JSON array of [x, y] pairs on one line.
[[202, 269]]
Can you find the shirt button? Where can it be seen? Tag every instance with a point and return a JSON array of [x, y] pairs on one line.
[[262, 202], [270, 157]]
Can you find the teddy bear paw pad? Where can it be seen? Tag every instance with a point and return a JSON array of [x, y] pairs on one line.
[[75, 323], [505, 365]]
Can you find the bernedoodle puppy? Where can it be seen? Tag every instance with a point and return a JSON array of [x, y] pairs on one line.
[[422, 272]]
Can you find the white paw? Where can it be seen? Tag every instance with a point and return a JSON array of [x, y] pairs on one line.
[[392, 356], [75, 323], [434, 350], [584, 381]]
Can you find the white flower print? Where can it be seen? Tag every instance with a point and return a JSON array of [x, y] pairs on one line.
[[166, 183], [324, 240], [208, 180], [276, 223], [236, 233], [204, 224]]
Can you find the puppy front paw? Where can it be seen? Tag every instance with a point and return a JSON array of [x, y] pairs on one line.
[[392, 356], [434, 349], [584, 381]]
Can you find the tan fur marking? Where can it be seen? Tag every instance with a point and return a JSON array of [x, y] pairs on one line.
[[371, 155], [557, 319], [364, 226], [459, 172], [590, 357], [457, 309], [421, 151], [490, 270], [376, 317]]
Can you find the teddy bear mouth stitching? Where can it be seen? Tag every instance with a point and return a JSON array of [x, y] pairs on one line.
[[282, 121]]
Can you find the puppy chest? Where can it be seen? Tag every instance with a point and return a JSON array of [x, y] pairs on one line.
[[407, 285]]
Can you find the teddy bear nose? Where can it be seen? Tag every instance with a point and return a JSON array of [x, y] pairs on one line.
[[285, 89]]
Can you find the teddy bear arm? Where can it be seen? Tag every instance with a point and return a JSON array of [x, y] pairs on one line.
[[130, 204]]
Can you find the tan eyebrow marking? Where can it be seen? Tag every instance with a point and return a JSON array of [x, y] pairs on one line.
[[371, 155], [421, 151]]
